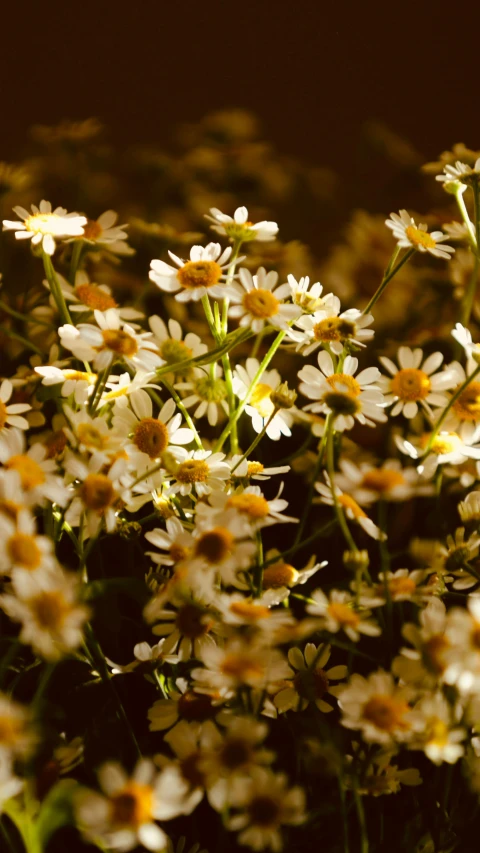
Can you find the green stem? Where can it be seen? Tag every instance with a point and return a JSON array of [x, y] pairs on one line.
[[75, 260], [256, 379], [255, 441], [311, 488], [185, 413], [16, 337], [99, 389], [338, 509], [25, 318], [469, 299], [361, 821], [55, 289], [468, 222], [447, 408], [389, 274]]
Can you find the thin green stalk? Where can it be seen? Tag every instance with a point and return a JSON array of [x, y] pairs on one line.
[[311, 488], [469, 299], [256, 440], [361, 821], [258, 570], [447, 408], [338, 509], [389, 274], [16, 337], [210, 318], [75, 260], [256, 379], [468, 222], [185, 413], [56, 290], [99, 389], [25, 318]]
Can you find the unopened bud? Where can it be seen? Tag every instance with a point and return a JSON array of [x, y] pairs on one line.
[[283, 397], [356, 561]]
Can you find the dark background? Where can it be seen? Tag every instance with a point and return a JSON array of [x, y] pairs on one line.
[[313, 71]]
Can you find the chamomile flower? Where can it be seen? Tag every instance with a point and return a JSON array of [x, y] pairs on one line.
[[203, 275], [346, 396], [31, 470], [87, 434], [86, 296], [17, 734], [368, 483], [188, 628], [207, 391], [47, 606], [109, 341], [239, 664], [459, 172], [265, 803], [239, 229], [44, 225], [379, 708], [199, 470], [10, 415], [222, 541], [309, 297], [252, 503], [447, 448], [173, 347], [260, 406], [257, 300], [280, 574], [472, 350], [330, 328], [76, 382], [104, 232], [252, 470], [409, 235], [98, 496], [311, 681], [424, 662], [415, 382], [119, 387], [20, 546], [183, 703], [175, 542], [350, 507], [440, 739], [148, 437], [338, 612]]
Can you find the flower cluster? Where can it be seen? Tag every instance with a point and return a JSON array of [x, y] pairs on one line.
[[139, 461]]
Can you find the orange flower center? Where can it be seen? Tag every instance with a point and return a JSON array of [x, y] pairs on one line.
[[92, 230], [334, 329], [249, 611], [254, 468], [346, 380], [349, 503], [446, 442], [386, 713], [242, 668], [3, 414], [382, 480], [215, 545], [50, 609], [467, 406], [280, 574], [434, 653], [343, 614], [31, 474], [90, 436], [151, 437], [410, 384], [119, 342], [192, 471], [311, 684], [95, 297], [199, 274], [132, 806], [260, 303], [11, 730], [24, 550], [97, 492], [253, 505], [418, 237]]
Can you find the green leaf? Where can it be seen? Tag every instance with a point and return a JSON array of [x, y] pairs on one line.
[[56, 810]]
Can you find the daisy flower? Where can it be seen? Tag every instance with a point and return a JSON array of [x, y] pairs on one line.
[[400, 585], [203, 275], [20, 546], [265, 803], [183, 703], [464, 338], [172, 346], [150, 436], [222, 541], [260, 406], [237, 750], [48, 608], [350, 506], [108, 341], [44, 226], [308, 297], [17, 735], [424, 662], [257, 300], [200, 470], [439, 738], [252, 503], [338, 612], [188, 628], [459, 172], [125, 814], [98, 496], [410, 235], [346, 396], [175, 542], [368, 483], [238, 228], [85, 296], [252, 470], [448, 448], [239, 663], [311, 681], [31, 470], [329, 328], [105, 233], [379, 708], [281, 574], [91, 434], [207, 391], [76, 382], [120, 387], [10, 415], [415, 382]]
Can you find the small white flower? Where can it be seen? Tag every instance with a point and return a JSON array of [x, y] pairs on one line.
[[239, 228], [461, 172], [200, 470], [311, 682], [378, 708], [172, 346], [260, 406], [410, 235], [257, 300], [107, 234], [415, 382], [329, 328], [10, 415], [350, 507], [208, 392], [147, 437], [309, 297], [338, 612], [85, 296], [45, 226], [109, 341], [31, 474], [203, 275]]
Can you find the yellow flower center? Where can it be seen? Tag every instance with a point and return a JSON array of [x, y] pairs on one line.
[[397, 587], [311, 684], [172, 351], [31, 474], [10, 509], [418, 237], [151, 437], [215, 545], [382, 480], [90, 436], [178, 552], [95, 297], [56, 444], [92, 230], [24, 550], [343, 614], [11, 730], [254, 468], [80, 375], [410, 384], [43, 223], [199, 274], [433, 652], [467, 406], [386, 713], [280, 574], [253, 505], [260, 400], [436, 732], [446, 442], [3, 414], [249, 611], [50, 609], [334, 329], [260, 303], [346, 380], [192, 471], [132, 806], [97, 492], [191, 621], [119, 342], [349, 503], [242, 668]]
